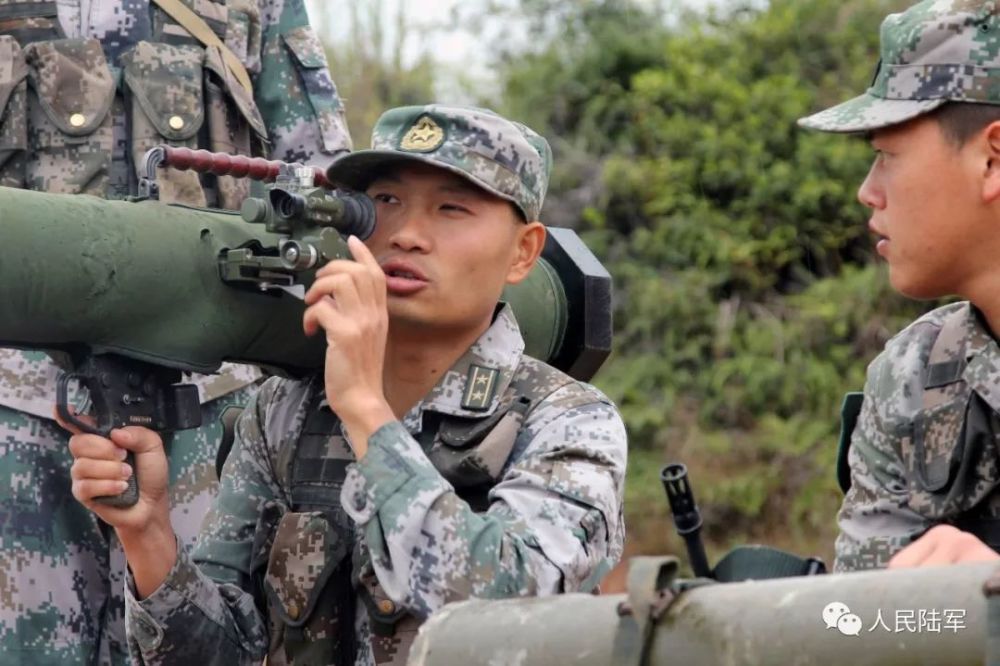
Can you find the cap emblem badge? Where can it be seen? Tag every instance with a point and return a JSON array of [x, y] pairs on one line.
[[424, 137]]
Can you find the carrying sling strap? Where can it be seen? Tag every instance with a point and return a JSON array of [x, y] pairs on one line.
[[763, 562], [849, 412], [227, 419], [200, 30]]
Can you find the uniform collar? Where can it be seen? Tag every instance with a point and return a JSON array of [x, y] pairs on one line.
[[472, 387], [982, 369]]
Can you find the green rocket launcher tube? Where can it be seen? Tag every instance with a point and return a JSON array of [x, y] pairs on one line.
[[860, 619], [143, 280]]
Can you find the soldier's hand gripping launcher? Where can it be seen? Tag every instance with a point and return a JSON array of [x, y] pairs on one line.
[[311, 223], [137, 292]]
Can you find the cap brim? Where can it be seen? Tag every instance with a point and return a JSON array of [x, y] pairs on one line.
[[868, 112], [357, 170]]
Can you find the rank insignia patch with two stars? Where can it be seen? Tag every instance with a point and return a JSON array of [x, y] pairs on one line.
[[480, 385]]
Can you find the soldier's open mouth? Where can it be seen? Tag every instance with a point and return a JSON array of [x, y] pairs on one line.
[[403, 277], [403, 283]]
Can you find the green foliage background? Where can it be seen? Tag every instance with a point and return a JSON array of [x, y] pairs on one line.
[[748, 300]]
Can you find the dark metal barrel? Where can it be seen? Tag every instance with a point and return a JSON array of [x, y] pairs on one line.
[[687, 517]]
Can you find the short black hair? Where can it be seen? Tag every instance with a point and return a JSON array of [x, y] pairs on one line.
[[518, 213], [960, 121]]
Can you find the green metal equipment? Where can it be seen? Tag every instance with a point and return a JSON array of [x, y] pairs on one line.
[[910, 616]]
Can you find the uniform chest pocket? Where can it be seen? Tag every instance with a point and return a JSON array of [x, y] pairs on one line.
[[471, 452], [309, 595], [164, 92], [69, 120], [305, 552], [310, 63], [243, 34], [13, 112]]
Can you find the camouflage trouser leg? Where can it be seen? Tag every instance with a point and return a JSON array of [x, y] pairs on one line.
[[55, 567]]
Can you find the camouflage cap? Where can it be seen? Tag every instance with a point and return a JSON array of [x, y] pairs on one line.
[[935, 52], [501, 156]]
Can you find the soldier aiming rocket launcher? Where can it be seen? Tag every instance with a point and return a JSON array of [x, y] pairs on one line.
[[134, 293]]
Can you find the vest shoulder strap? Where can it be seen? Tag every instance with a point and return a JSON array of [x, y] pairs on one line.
[[304, 457], [947, 359], [201, 31], [534, 381], [945, 366]]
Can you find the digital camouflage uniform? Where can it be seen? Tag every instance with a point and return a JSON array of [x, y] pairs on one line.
[[923, 451], [505, 480], [75, 77]]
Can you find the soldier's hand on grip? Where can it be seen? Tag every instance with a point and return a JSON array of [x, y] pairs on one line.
[[99, 470]]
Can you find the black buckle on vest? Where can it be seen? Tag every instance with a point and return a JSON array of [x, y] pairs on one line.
[[294, 638]]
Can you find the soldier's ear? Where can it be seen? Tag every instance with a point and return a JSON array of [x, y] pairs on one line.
[[528, 245], [991, 176]]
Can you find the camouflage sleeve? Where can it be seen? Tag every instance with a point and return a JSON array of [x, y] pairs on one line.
[[294, 90], [204, 612], [876, 520], [554, 523]]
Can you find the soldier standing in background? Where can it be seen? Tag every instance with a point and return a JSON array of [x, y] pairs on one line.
[[924, 471], [86, 88]]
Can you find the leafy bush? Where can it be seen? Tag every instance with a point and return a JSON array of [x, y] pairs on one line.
[[748, 301]]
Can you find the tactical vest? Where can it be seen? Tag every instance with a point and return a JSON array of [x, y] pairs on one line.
[[305, 560], [952, 434], [73, 122]]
